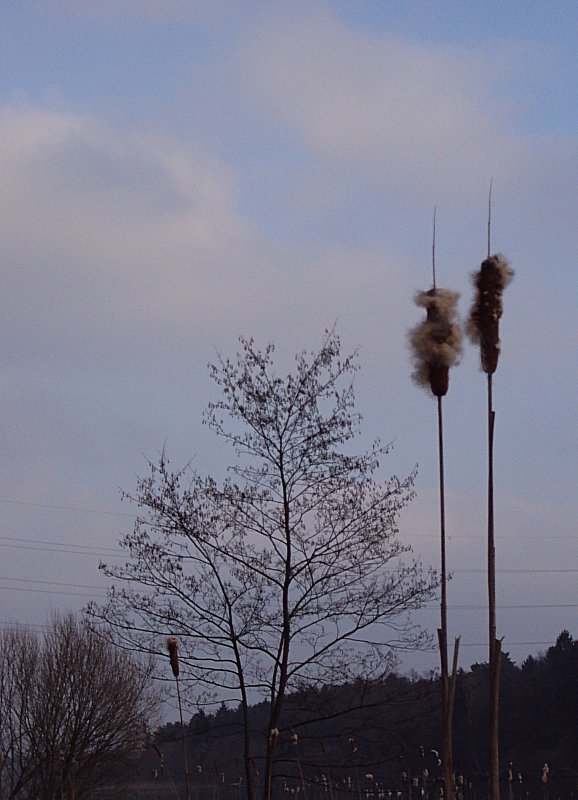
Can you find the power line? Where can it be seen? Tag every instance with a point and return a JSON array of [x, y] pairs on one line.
[[60, 584], [63, 550], [109, 512], [63, 585], [48, 583], [52, 591], [524, 605], [11, 625], [506, 644], [66, 508], [57, 547], [82, 549], [88, 550], [512, 571], [44, 541], [7, 625]]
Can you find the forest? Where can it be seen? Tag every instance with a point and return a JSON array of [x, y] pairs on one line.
[[381, 740]]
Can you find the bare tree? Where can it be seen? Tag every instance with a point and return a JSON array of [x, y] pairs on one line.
[[18, 663], [290, 572], [74, 711]]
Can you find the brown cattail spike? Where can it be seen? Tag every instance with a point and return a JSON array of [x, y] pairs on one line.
[[173, 647], [436, 342], [483, 326]]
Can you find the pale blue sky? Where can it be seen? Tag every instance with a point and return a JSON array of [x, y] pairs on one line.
[[175, 174]]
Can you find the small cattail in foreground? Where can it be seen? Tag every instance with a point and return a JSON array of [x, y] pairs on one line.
[[483, 326], [436, 342], [172, 647], [545, 771], [273, 736]]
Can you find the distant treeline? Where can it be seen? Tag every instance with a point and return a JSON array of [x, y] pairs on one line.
[[374, 741]]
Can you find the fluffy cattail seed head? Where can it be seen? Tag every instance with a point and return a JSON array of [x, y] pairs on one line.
[[436, 342], [483, 326], [173, 647]]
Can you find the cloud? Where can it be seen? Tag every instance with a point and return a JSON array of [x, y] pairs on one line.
[[108, 233], [404, 108], [122, 243], [129, 255], [201, 11]]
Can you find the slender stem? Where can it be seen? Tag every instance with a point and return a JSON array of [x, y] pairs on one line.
[[442, 527], [443, 631], [454, 674], [491, 542], [301, 777], [183, 740], [494, 644]]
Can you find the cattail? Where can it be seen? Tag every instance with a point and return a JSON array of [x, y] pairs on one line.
[[483, 325], [273, 736], [172, 647], [436, 342], [436, 346]]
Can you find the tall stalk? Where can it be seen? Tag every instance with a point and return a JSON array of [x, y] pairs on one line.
[[448, 680], [495, 645], [483, 329], [436, 344], [172, 647]]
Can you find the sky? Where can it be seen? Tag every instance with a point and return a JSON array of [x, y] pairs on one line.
[[177, 173]]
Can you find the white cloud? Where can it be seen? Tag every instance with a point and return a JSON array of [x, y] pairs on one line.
[[120, 240], [410, 110], [107, 231]]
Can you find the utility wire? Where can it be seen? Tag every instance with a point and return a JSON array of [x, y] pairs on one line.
[[66, 508], [89, 550], [61, 585]]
